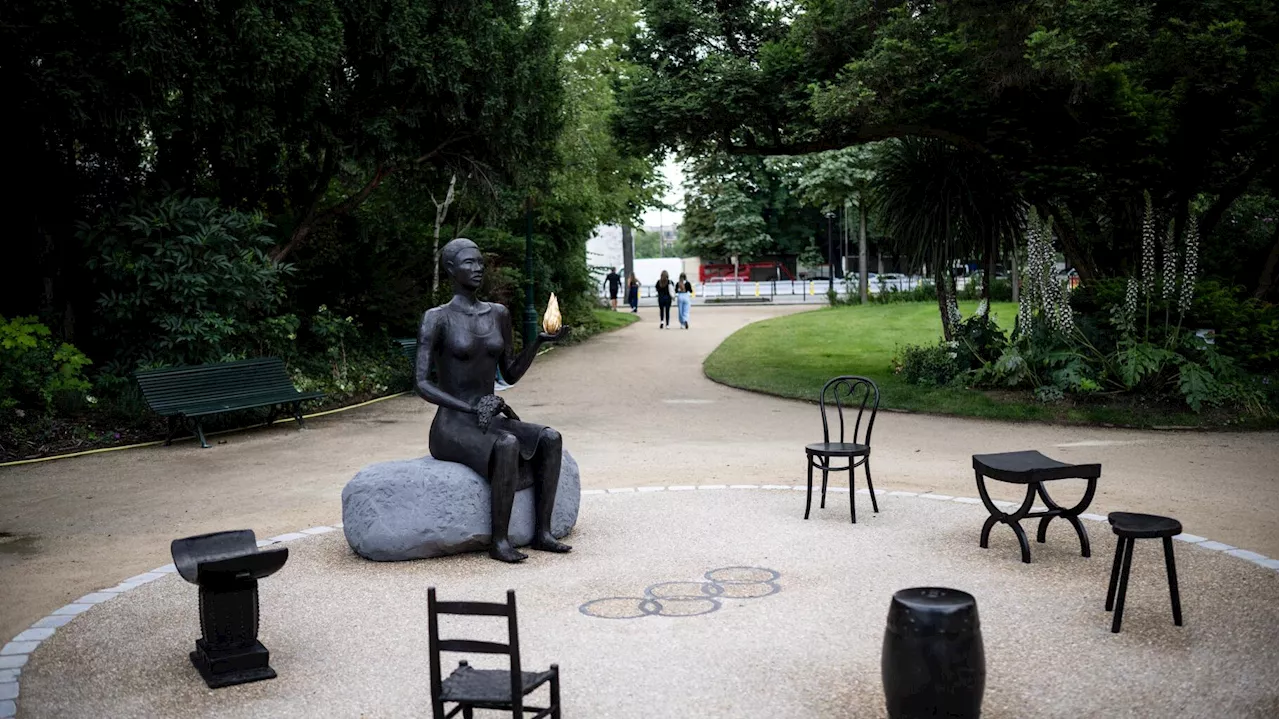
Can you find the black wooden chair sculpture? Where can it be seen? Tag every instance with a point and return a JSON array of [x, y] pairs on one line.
[[845, 392], [1128, 527], [227, 566], [473, 689]]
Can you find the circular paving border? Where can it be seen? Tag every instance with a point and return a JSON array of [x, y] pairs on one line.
[[15, 654]]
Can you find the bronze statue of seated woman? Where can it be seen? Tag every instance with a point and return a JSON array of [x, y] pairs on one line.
[[465, 341]]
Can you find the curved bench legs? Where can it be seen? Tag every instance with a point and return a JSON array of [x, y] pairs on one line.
[[1009, 518]]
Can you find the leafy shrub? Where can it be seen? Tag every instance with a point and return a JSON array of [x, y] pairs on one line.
[[1001, 290], [928, 365], [889, 293], [184, 281], [979, 340], [35, 371]]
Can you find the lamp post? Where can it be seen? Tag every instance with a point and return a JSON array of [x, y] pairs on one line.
[[831, 258], [530, 314]]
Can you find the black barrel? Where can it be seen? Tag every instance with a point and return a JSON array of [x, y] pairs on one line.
[[933, 664]]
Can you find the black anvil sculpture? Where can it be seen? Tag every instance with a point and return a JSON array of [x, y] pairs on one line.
[[227, 566]]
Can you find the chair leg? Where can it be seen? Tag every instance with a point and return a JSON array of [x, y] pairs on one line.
[[297, 414], [1173, 581], [866, 465], [808, 496], [1124, 584], [468, 712], [555, 691], [826, 464], [853, 494], [1115, 574]]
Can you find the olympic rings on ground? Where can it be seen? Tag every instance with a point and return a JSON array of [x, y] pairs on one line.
[[688, 598]]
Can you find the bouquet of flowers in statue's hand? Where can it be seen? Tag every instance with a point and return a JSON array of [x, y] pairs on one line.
[[488, 407]]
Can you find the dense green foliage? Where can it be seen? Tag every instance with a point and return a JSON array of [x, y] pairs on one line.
[[204, 182], [1083, 104], [793, 356]]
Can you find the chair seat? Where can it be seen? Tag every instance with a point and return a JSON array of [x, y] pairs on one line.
[[838, 449], [1143, 526], [486, 686], [1029, 467]]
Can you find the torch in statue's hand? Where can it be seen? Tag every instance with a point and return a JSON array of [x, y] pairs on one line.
[[552, 328]]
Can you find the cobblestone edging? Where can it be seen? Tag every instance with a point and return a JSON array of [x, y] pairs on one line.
[[15, 654]]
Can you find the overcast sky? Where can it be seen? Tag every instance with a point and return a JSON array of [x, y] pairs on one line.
[[674, 197]]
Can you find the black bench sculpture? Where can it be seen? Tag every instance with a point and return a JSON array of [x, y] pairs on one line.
[[1033, 469], [472, 688], [227, 566], [188, 394]]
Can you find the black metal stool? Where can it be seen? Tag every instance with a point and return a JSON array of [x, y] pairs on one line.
[[1128, 527]]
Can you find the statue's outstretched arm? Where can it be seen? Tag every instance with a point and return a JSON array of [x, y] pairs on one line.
[[428, 335], [513, 366]]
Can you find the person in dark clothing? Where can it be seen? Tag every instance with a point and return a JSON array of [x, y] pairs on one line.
[[614, 281], [664, 289], [633, 293]]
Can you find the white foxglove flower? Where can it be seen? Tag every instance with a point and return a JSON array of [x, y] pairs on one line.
[[1190, 264]]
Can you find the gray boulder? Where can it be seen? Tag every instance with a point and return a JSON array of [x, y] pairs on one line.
[[419, 508]]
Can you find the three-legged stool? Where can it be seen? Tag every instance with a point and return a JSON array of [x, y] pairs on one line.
[[1128, 527]]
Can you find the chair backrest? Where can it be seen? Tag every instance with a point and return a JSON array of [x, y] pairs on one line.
[[482, 609], [845, 392]]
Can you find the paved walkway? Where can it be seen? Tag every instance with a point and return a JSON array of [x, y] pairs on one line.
[[634, 408]]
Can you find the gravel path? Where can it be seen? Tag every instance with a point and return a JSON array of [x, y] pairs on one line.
[[348, 637], [634, 409]]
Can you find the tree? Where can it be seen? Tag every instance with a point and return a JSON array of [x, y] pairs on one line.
[[1085, 104], [831, 180], [945, 203], [300, 110]]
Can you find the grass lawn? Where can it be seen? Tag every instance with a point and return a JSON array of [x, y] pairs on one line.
[[793, 356], [610, 320]]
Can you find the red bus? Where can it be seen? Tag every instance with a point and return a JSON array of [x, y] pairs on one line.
[[724, 272]]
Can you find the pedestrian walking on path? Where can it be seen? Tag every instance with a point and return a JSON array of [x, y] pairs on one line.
[[633, 293], [684, 298], [664, 288], [614, 281]]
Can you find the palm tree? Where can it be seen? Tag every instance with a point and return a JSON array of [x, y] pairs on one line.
[[940, 203]]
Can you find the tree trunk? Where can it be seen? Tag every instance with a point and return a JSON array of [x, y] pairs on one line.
[[442, 211], [989, 265], [628, 252], [1267, 280], [1072, 252], [1015, 277], [863, 279]]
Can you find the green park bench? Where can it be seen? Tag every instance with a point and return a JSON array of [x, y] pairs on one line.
[[409, 346], [188, 394]]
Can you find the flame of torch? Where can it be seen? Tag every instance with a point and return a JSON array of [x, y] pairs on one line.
[[551, 319]]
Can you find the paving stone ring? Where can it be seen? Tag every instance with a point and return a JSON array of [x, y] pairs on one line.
[[688, 598]]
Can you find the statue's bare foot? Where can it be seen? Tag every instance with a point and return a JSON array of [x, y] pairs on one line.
[[504, 552], [547, 543]]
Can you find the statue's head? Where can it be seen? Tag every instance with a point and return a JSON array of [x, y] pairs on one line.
[[463, 263]]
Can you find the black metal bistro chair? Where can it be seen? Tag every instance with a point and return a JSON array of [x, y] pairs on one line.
[[845, 392], [473, 689]]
